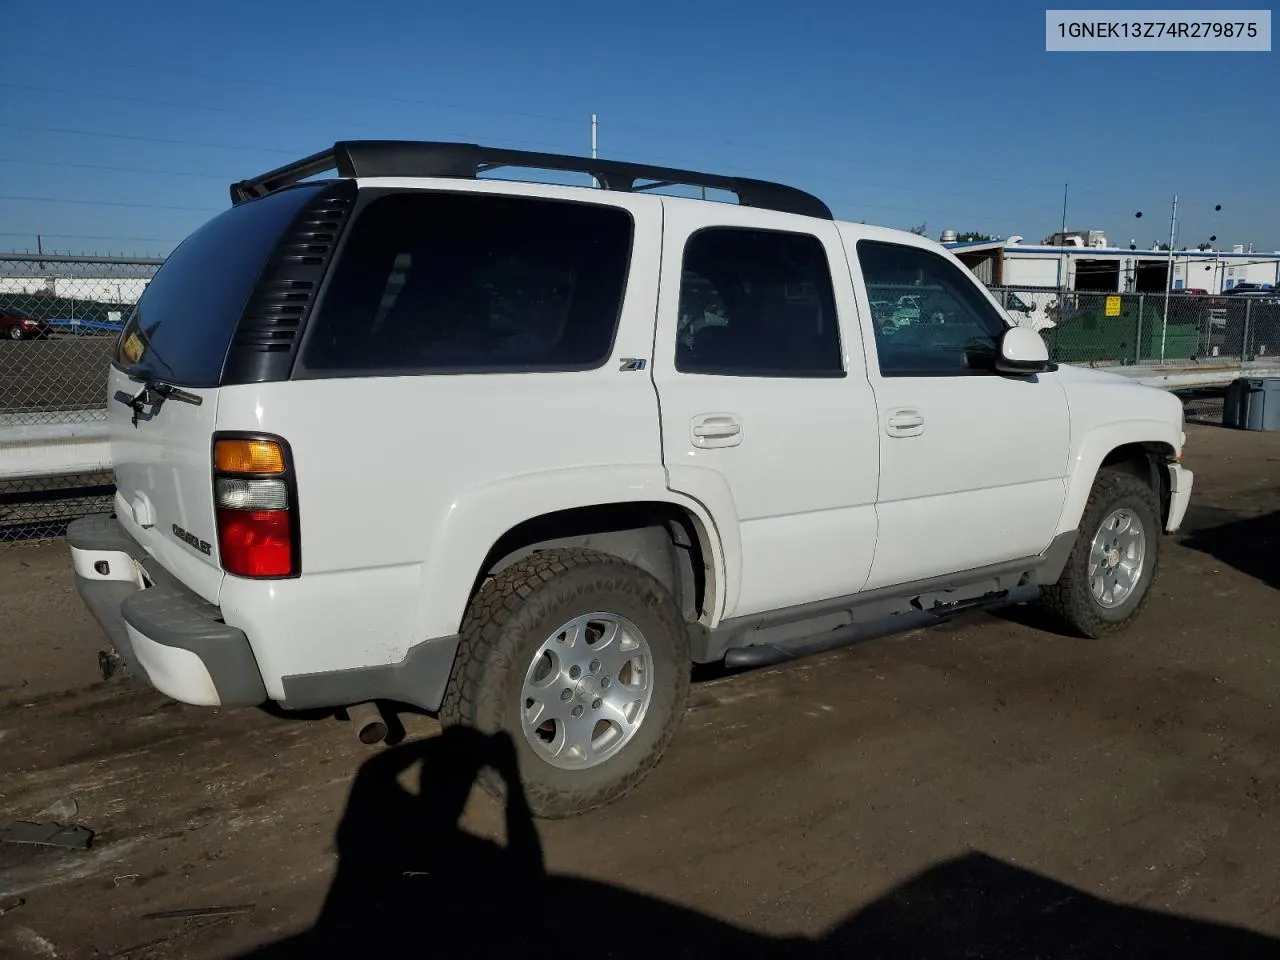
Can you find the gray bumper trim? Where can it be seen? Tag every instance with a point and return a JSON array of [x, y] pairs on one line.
[[170, 614], [167, 613], [103, 532], [419, 679]]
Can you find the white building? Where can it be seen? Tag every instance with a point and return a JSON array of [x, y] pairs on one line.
[[1114, 269], [110, 280]]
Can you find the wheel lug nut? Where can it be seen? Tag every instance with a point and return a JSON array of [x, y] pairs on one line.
[[577, 711], [575, 672], [604, 683], [595, 666], [566, 694]]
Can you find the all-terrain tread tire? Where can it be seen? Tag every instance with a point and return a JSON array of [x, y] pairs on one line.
[[1071, 600], [506, 621]]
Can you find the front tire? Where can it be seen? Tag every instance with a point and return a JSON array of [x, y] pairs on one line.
[[583, 660], [14, 333], [1113, 565]]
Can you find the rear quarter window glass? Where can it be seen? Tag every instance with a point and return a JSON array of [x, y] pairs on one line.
[[443, 282], [182, 326]]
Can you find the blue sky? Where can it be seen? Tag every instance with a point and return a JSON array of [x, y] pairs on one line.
[[899, 113]]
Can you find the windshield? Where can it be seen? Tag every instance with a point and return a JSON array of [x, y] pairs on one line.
[[182, 326]]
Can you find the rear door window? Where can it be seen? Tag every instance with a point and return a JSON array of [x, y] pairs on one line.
[[182, 326], [467, 283]]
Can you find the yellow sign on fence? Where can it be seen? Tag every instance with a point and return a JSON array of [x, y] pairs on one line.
[[1113, 306]]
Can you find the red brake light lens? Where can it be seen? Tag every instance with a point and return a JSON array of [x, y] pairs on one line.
[[256, 543], [254, 494]]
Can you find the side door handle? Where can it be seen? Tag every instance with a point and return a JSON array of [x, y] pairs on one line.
[[716, 430], [904, 422]]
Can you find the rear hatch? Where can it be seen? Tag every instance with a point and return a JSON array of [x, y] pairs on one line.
[[162, 392]]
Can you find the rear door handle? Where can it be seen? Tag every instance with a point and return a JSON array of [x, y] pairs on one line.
[[716, 430], [906, 422]]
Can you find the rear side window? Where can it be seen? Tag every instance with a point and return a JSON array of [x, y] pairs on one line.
[[757, 303], [458, 282], [184, 322]]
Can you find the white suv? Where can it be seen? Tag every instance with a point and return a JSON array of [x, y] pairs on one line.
[[522, 453]]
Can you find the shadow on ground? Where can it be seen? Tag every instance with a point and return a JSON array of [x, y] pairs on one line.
[[411, 882], [1249, 544]]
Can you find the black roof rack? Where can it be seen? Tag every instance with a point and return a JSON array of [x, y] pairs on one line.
[[411, 158]]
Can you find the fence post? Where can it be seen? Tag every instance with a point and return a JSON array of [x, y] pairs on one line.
[[1137, 340], [1244, 346]]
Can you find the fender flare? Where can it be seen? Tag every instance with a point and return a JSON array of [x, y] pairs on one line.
[[1087, 459], [481, 515]]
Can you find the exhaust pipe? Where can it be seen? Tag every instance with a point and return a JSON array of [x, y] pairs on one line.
[[370, 725]]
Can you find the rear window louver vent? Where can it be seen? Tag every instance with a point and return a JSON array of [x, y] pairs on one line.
[[267, 336]]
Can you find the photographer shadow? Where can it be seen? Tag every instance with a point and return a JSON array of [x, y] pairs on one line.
[[411, 882]]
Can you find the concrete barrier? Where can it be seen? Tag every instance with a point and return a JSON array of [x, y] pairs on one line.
[[53, 445]]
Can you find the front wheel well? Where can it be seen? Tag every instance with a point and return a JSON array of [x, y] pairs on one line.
[[1147, 462], [663, 539]]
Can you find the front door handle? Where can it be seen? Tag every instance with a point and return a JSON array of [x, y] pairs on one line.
[[716, 430], [906, 422]]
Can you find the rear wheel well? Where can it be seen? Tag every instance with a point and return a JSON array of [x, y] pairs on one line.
[[1146, 461], [662, 539]]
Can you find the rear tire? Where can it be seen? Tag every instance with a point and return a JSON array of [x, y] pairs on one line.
[[554, 641], [14, 333], [1118, 542]]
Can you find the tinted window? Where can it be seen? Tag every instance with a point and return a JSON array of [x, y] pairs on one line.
[[182, 326], [471, 282], [757, 303], [939, 323]]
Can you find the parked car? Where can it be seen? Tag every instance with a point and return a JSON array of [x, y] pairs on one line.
[[16, 324], [491, 469]]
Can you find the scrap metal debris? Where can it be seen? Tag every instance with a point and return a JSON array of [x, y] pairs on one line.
[[46, 835], [198, 912]]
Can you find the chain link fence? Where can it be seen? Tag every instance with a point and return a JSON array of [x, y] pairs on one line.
[[1137, 329], [59, 320]]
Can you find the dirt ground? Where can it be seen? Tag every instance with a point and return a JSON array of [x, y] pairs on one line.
[[989, 788]]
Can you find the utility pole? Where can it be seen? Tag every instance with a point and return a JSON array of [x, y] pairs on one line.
[[1062, 239], [1168, 276], [594, 124]]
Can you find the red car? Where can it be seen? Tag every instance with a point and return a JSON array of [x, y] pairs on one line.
[[16, 325]]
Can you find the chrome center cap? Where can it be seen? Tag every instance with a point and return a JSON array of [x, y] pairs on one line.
[[588, 689], [1113, 558]]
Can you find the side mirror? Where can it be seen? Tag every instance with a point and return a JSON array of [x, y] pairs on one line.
[[1022, 351]]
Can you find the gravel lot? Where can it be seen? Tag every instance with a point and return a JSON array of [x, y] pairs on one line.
[[988, 788]]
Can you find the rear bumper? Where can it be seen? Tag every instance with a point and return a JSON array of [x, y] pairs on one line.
[[160, 628], [1180, 482]]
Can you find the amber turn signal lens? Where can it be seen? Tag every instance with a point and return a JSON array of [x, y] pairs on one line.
[[248, 456]]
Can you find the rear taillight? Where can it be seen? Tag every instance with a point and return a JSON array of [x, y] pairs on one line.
[[255, 497]]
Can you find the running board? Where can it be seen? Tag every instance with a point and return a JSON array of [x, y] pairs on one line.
[[767, 654]]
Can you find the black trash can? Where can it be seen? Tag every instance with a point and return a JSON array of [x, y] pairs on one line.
[[1252, 404]]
